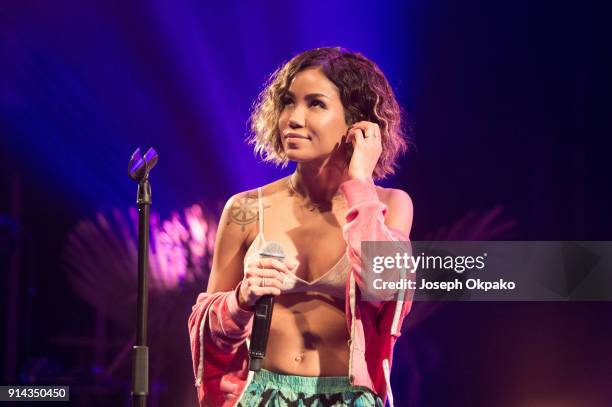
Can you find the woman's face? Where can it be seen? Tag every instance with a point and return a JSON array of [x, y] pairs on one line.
[[311, 123]]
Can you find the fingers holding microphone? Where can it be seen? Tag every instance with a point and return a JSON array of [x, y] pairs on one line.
[[262, 276]]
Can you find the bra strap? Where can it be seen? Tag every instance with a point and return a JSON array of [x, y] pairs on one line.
[[260, 213]]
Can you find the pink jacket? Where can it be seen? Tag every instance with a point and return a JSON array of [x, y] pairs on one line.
[[219, 328]]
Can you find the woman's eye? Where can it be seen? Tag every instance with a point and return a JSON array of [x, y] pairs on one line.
[[317, 103], [286, 101]]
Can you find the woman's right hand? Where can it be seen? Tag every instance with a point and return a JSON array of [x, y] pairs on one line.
[[262, 276]]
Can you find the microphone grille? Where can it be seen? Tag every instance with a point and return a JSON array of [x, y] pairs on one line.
[[272, 249]]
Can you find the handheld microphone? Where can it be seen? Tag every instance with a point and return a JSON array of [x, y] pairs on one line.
[[263, 314]]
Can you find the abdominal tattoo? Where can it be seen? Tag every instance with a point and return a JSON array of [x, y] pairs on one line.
[[244, 210]]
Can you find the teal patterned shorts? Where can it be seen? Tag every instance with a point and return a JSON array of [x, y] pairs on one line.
[[270, 389]]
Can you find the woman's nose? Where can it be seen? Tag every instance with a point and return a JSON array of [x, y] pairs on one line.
[[297, 120], [295, 124]]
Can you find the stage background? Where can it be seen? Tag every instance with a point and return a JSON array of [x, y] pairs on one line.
[[511, 114]]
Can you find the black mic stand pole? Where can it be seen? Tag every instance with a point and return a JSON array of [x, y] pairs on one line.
[[138, 170]]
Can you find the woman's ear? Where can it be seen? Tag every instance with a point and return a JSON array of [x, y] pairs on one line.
[[348, 148]]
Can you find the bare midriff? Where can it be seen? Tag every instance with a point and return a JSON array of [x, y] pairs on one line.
[[308, 336]]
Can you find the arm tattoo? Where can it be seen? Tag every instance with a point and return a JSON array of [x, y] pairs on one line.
[[243, 210]]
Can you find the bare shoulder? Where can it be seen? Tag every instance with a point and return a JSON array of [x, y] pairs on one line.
[[400, 208], [395, 198], [236, 226], [240, 212]]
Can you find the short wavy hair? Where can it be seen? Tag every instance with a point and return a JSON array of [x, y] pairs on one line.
[[365, 94]]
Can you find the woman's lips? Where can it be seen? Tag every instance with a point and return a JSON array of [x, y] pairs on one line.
[[293, 136]]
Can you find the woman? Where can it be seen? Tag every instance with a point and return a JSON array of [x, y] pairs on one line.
[[333, 113]]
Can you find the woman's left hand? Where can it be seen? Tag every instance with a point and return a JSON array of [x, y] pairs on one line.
[[367, 147]]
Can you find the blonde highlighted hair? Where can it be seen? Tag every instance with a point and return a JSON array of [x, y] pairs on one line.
[[365, 94]]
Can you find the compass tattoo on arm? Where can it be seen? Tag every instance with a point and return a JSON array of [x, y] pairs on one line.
[[244, 210]]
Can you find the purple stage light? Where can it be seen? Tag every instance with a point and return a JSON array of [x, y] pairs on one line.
[[101, 258]]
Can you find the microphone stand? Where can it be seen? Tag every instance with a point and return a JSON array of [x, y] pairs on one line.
[[138, 169]]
